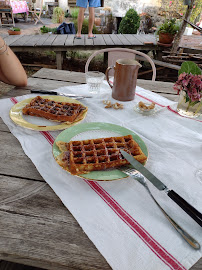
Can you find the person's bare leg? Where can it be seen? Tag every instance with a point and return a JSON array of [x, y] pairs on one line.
[[91, 21], [80, 21]]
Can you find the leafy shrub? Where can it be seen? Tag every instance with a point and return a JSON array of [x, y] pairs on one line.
[[67, 14], [58, 15], [169, 26], [130, 23], [84, 29], [15, 29], [45, 29], [74, 13]]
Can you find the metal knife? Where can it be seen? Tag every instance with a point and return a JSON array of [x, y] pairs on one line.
[[189, 209], [60, 94]]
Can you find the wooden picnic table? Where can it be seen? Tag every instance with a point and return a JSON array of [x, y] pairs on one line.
[[61, 44], [35, 227]]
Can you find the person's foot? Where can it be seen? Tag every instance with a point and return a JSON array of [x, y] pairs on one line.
[[91, 36], [78, 36]]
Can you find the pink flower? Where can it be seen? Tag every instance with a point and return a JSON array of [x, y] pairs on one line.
[[191, 84]]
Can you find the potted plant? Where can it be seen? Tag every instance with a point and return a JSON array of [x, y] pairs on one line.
[[167, 31], [58, 15], [14, 31], [97, 21], [189, 86], [44, 9]]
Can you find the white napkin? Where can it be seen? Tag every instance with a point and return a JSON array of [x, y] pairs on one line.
[[119, 217]]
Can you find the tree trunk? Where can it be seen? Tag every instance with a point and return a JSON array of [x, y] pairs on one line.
[[182, 28]]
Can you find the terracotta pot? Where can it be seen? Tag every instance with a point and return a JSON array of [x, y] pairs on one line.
[[97, 21], [10, 32], [166, 38]]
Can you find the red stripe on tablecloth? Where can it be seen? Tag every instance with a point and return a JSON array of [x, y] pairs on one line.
[[160, 252], [48, 136], [146, 98], [170, 109], [14, 100], [150, 100]]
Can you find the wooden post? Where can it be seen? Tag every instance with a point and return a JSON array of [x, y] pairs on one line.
[[106, 58], [182, 28], [59, 60]]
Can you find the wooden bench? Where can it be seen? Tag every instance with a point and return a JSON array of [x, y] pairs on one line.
[[60, 44]]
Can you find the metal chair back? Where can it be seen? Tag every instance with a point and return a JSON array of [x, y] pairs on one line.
[[117, 53]]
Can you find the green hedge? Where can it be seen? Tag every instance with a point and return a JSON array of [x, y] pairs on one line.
[[130, 22]]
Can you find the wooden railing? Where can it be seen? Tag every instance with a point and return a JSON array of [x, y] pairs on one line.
[[72, 3]]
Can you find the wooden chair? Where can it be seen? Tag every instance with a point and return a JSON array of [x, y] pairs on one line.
[[6, 9], [36, 12], [117, 53]]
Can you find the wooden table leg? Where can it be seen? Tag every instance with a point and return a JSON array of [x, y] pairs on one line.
[[59, 60]]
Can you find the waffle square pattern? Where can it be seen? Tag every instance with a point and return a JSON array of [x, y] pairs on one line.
[[80, 157], [52, 110]]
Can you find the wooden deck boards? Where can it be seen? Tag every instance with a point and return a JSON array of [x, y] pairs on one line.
[[63, 43], [69, 40]]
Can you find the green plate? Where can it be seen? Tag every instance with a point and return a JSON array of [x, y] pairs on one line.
[[97, 130]]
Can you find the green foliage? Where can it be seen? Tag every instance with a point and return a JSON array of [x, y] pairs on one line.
[[130, 23], [174, 8], [169, 26], [58, 15], [67, 14], [15, 29], [45, 29], [190, 67], [74, 13], [84, 29], [196, 11]]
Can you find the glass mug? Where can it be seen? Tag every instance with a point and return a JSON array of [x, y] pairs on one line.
[[94, 80]]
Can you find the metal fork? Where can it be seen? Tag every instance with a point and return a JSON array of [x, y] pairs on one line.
[[142, 180]]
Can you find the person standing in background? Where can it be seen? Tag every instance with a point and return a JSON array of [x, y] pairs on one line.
[[82, 4], [11, 70]]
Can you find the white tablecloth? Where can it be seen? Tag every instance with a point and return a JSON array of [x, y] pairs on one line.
[[119, 217]]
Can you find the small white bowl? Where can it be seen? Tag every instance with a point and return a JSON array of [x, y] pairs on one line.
[[144, 111]]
